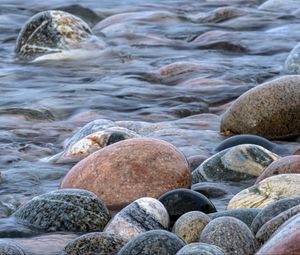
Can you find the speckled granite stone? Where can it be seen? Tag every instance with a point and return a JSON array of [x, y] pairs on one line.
[[10, 248], [270, 110], [141, 215], [154, 242], [200, 249], [99, 243], [65, 210], [231, 235]]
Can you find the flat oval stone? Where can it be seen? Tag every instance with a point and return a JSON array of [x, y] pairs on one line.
[[272, 211], [10, 248], [210, 189], [285, 240], [241, 162], [153, 242], [267, 191], [265, 232], [140, 216], [285, 165], [270, 110], [130, 169], [190, 225], [181, 201], [65, 210], [200, 249], [230, 234], [99, 243]]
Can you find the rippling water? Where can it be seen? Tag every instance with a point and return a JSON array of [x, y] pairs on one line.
[[220, 54]]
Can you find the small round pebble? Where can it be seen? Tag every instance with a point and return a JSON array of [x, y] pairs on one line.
[[10, 248], [190, 225], [200, 249], [154, 242]]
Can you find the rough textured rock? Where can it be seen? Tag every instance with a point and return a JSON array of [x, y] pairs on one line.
[[267, 191], [286, 165], [231, 235], [210, 189], [155, 242], [142, 215], [285, 240], [241, 162], [65, 210], [272, 211], [99, 243], [190, 225], [245, 215], [130, 169], [181, 201], [270, 110], [200, 249], [10, 248]]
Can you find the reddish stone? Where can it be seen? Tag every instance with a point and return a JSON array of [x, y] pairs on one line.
[[127, 170], [286, 165]]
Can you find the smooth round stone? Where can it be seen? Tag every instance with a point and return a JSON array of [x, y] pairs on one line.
[[190, 225], [65, 210], [245, 215], [130, 169], [241, 162], [181, 201], [51, 32], [265, 232], [194, 161], [270, 110], [200, 249], [10, 248], [231, 235], [272, 211], [99, 243], [267, 191], [285, 240], [140, 216], [210, 189], [286, 165], [154, 242]]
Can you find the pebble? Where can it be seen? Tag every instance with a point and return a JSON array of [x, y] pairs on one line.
[[231, 235], [194, 161], [99, 243], [154, 242], [130, 169], [270, 110], [241, 162], [210, 189], [10, 248], [140, 216], [190, 225], [181, 201], [267, 191], [65, 210], [200, 249], [285, 165]]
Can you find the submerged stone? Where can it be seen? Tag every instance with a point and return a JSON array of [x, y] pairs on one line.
[[10, 248]]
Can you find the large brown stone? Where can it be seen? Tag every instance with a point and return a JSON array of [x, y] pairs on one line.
[[127, 170], [286, 165]]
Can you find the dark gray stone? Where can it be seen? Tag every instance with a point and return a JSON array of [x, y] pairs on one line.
[[210, 189], [200, 249]]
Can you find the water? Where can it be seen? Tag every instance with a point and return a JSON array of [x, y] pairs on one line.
[[43, 103]]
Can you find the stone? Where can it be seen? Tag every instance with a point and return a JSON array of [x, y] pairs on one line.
[[270, 110], [246, 215], [190, 225], [279, 5], [181, 201], [285, 165], [285, 240], [140, 216], [210, 189], [265, 232], [231, 235], [200, 249], [238, 163], [154, 242], [297, 152], [195, 161], [267, 191], [99, 243], [65, 210], [272, 211], [10, 248], [292, 63], [130, 169]]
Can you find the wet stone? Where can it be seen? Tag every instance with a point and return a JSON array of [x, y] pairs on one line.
[[231, 235], [154, 242], [65, 210], [99, 243], [10, 248], [200, 249], [210, 189], [195, 161]]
